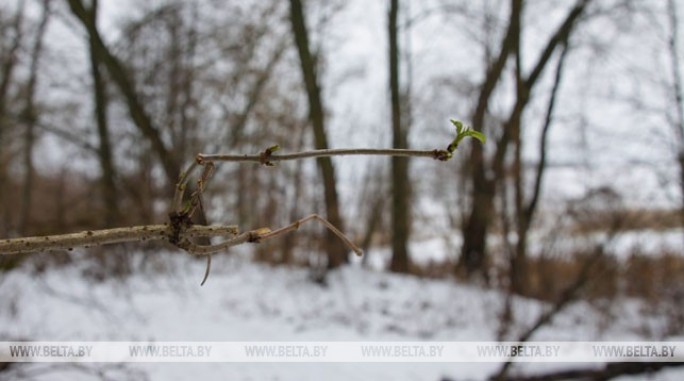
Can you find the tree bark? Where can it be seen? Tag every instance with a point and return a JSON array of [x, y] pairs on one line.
[[337, 254], [8, 65], [104, 151], [400, 165], [29, 118], [518, 261], [677, 93], [472, 259], [526, 212]]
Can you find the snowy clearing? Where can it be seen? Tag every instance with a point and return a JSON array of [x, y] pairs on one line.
[[244, 301]]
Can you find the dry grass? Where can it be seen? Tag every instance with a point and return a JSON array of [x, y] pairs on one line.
[[630, 219]]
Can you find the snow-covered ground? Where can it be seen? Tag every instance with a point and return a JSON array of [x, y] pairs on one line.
[[245, 301]]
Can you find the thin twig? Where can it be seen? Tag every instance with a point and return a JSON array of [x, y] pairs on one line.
[[177, 203], [180, 216], [207, 271], [259, 235], [201, 250], [295, 225], [180, 231], [263, 234], [263, 159], [196, 197], [267, 158]]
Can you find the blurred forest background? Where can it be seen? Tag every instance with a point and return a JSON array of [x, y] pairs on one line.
[[578, 192]]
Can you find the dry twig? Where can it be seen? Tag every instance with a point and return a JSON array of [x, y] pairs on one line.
[[180, 231]]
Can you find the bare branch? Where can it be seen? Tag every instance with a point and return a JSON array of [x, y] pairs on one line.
[[90, 238], [177, 203], [262, 234], [180, 231], [295, 225], [265, 157]]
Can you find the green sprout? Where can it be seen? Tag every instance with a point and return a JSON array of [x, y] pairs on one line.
[[463, 131]]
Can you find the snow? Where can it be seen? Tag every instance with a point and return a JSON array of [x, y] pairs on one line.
[[246, 301]]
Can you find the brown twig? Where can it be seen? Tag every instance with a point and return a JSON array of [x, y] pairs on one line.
[[90, 238], [295, 225], [268, 156], [262, 234]]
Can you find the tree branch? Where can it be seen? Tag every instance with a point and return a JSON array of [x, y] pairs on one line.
[[90, 238], [266, 158], [180, 231]]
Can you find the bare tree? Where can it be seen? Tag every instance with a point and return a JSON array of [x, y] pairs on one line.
[[472, 258], [487, 172], [677, 92], [29, 116], [401, 208], [104, 151], [119, 75], [526, 209], [8, 63], [337, 255]]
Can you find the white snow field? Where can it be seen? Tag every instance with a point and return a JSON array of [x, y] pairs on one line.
[[246, 301]]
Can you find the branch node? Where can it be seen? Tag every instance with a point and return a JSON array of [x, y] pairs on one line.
[[441, 154], [178, 222], [255, 236], [266, 155]]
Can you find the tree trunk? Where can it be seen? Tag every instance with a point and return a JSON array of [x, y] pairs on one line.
[[400, 165], [104, 152], [677, 96], [518, 270], [526, 215], [28, 117], [472, 260], [8, 65], [337, 253]]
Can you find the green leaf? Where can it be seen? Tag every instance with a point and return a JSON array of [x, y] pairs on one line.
[[477, 135], [273, 148], [458, 124]]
